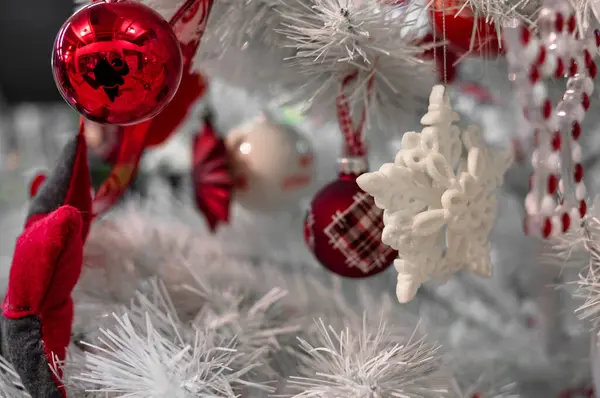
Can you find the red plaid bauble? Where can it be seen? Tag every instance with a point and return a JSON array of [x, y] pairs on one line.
[[343, 230]]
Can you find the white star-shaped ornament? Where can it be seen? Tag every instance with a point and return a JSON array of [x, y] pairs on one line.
[[439, 199]]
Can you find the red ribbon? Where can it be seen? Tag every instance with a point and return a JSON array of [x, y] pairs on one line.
[[353, 136], [188, 23]]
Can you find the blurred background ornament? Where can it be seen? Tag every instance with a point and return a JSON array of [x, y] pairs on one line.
[[466, 33], [212, 177], [557, 197], [117, 62], [272, 163]]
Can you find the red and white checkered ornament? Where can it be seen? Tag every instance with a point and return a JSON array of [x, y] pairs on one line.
[[556, 200], [343, 226]]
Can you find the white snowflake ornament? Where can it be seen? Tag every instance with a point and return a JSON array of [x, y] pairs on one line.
[[438, 199]]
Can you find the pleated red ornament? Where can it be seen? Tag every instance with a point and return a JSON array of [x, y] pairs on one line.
[[211, 174]]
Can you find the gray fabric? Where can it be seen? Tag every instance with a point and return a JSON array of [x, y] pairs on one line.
[[22, 346], [53, 191]]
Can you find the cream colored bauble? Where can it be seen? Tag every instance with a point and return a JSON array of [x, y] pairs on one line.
[[272, 164]]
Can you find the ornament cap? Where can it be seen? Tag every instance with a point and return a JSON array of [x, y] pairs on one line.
[[353, 165]]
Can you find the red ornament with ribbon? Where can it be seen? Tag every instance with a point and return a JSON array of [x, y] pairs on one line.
[[343, 226], [188, 23], [117, 62]]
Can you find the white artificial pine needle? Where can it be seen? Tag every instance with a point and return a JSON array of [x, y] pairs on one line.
[[137, 361], [580, 249], [10, 382], [473, 381], [237, 22], [332, 38], [368, 362]]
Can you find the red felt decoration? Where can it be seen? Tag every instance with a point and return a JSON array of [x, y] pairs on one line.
[[454, 22], [48, 255], [117, 62], [343, 229], [45, 268], [212, 177]]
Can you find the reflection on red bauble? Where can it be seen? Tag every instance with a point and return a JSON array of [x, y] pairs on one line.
[[117, 62], [455, 22], [343, 230]]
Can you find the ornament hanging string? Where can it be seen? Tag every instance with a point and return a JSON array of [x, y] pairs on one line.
[[444, 66], [355, 145], [188, 23]]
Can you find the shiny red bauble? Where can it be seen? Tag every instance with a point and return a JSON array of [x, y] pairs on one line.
[[454, 23], [117, 62], [343, 230]]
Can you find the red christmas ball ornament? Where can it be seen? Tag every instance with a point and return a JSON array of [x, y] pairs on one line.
[[343, 226], [454, 23], [117, 62]]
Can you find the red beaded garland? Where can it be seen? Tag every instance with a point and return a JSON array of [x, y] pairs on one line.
[[566, 222], [556, 141], [552, 184], [576, 131]]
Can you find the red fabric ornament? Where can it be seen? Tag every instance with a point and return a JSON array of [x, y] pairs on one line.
[[117, 63], [212, 177], [455, 24], [45, 268], [48, 255], [343, 230]]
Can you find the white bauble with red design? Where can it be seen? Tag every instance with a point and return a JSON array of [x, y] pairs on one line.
[[272, 164]]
